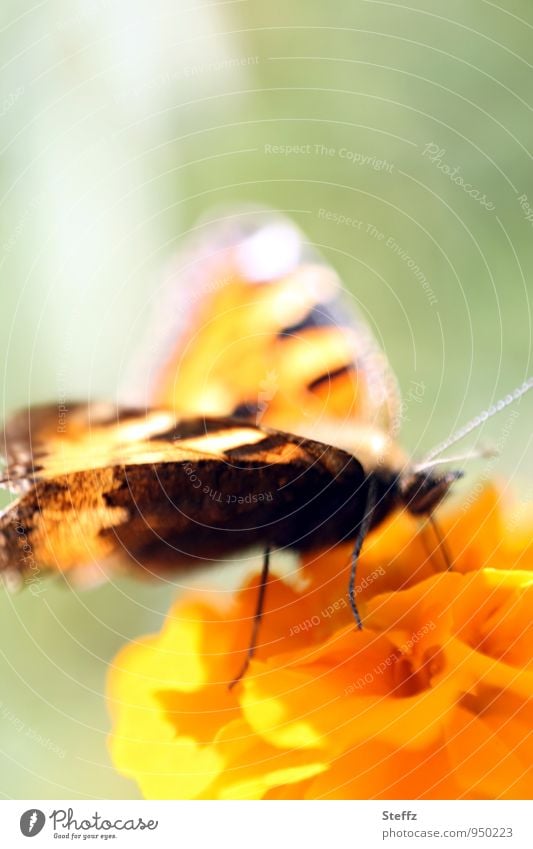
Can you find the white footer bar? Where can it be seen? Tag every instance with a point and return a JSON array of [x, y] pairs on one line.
[[266, 825]]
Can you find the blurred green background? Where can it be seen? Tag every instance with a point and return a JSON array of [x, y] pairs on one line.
[[121, 122]]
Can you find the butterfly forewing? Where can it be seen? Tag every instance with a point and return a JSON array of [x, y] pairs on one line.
[[258, 326]]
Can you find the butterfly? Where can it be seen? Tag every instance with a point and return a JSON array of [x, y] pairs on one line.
[[270, 419]]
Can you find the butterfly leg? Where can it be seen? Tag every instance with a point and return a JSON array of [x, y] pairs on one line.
[[359, 540], [258, 615], [429, 544], [441, 541]]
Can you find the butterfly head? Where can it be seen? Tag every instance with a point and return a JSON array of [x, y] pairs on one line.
[[422, 491]]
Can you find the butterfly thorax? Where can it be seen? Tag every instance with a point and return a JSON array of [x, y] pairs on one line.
[[418, 490]]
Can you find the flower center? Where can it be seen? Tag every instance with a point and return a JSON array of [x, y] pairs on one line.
[[413, 673]]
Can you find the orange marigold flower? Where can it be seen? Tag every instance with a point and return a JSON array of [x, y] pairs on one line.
[[431, 700]]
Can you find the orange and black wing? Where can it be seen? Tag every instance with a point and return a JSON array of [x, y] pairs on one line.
[[251, 323], [167, 492]]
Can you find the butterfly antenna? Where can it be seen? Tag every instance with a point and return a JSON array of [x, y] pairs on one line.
[[485, 452], [480, 419]]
